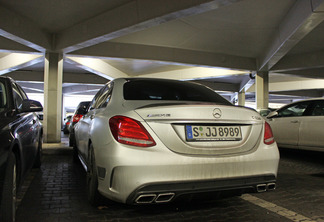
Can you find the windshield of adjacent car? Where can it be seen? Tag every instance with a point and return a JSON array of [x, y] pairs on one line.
[[170, 90], [3, 97]]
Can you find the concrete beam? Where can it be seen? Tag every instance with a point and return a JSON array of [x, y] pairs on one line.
[[39, 87], [287, 86], [83, 78], [79, 89], [219, 86], [300, 62], [302, 18], [7, 45], [246, 83], [312, 93], [167, 55], [316, 73], [136, 15], [191, 73], [15, 61], [296, 85], [34, 76], [96, 66], [20, 29]]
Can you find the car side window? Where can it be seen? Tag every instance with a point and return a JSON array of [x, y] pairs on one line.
[[22, 92], [294, 110], [102, 98], [105, 97], [3, 97], [96, 98], [318, 109], [18, 95]]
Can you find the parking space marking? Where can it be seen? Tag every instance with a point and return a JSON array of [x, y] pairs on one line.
[[291, 215]]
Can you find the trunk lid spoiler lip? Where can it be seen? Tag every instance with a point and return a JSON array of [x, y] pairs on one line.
[[180, 103]]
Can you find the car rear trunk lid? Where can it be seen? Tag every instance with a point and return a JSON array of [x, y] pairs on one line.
[[194, 129]]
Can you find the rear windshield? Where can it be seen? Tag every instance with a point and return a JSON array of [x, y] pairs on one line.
[[170, 90]]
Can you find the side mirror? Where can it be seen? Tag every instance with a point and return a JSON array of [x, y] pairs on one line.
[[272, 114], [264, 112], [40, 116], [30, 106]]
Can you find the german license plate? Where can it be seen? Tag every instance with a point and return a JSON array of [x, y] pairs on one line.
[[213, 133]]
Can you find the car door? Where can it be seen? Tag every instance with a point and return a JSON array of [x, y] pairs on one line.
[[83, 127], [25, 128], [286, 124], [311, 133]]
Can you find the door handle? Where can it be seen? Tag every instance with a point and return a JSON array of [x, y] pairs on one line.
[[294, 121], [91, 117]]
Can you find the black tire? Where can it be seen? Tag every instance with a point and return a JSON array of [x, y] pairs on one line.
[[38, 160], [92, 179], [75, 154], [71, 144], [71, 138], [9, 192], [66, 131]]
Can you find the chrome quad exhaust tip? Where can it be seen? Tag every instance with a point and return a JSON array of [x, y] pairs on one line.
[[271, 186], [145, 198], [164, 197], [261, 188], [265, 187], [154, 198]]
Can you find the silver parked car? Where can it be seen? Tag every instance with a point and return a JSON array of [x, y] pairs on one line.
[[152, 140], [299, 125]]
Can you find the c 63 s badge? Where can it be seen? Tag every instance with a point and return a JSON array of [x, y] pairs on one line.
[[158, 115], [256, 117]]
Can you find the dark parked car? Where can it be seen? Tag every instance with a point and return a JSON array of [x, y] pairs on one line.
[[67, 122], [80, 111], [20, 142]]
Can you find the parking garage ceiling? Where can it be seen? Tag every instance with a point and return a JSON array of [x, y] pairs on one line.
[[221, 43]]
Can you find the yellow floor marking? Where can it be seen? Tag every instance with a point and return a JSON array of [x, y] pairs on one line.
[[291, 215]]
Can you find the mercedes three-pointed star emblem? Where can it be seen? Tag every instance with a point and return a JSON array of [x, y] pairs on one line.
[[217, 113]]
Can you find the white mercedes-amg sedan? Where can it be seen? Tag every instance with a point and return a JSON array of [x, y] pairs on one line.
[[148, 141]]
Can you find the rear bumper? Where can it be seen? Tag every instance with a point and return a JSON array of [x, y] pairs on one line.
[[166, 192], [127, 174]]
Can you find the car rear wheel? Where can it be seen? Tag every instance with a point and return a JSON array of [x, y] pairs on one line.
[[92, 179], [70, 141], [75, 154], [9, 192]]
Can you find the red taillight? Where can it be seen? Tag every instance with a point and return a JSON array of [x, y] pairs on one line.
[[129, 131], [268, 136], [76, 118]]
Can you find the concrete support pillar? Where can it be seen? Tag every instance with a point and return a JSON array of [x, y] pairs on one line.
[[262, 90], [53, 76], [241, 98]]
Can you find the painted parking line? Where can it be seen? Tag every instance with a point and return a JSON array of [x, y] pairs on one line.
[[291, 215]]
